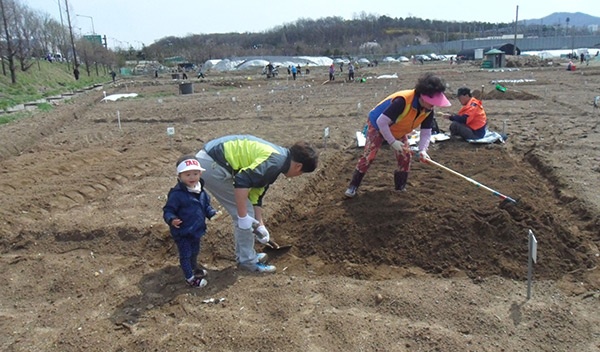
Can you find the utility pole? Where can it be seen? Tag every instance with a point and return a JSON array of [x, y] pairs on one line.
[[75, 64], [515, 41], [62, 33]]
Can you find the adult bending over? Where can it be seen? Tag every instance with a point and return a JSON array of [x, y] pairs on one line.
[[239, 170], [392, 120]]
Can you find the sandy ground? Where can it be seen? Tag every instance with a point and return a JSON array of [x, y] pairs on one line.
[[88, 263]]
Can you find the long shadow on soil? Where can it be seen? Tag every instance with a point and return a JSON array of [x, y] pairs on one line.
[[162, 287]]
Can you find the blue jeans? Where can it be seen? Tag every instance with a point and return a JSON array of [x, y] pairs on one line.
[[188, 248]]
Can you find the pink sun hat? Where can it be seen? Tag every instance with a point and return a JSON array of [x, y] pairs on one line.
[[189, 164], [438, 99]]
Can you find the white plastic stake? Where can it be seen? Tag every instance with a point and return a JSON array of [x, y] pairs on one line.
[[170, 133], [532, 259], [119, 118]]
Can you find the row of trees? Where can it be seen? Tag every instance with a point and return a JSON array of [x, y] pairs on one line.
[[335, 36], [28, 35], [330, 36]]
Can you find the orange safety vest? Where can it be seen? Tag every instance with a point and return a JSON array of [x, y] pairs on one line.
[[476, 117], [407, 121]]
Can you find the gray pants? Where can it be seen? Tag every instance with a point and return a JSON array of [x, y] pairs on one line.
[[460, 129], [219, 183]]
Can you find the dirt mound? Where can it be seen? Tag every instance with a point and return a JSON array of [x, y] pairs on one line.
[[527, 61], [509, 94], [442, 224]]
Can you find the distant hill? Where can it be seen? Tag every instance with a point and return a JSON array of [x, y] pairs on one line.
[[576, 19]]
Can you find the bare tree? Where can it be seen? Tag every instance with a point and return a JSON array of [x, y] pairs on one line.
[[49, 35], [26, 26], [86, 53], [7, 17]]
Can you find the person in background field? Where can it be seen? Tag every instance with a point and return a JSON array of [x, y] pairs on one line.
[[270, 69], [587, 59], [113, 75], [186, 210], [331, 72], [350, 72], [294, 72], [471, 121], [392, 120], [239, 170]]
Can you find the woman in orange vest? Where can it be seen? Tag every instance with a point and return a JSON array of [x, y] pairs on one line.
[[392, 120], [470, 122]]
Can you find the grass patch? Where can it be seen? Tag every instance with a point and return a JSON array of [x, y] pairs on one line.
[[156, 95], [45, 79], [6, 118], [45, 107]]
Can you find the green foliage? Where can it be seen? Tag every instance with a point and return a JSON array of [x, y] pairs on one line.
[[45, 107], [42, 80], [6, 118], [325, 36]]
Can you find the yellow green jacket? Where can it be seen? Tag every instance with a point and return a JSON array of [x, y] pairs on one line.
[[253, 162]]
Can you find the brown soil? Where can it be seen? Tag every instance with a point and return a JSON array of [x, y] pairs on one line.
[[88, 263]]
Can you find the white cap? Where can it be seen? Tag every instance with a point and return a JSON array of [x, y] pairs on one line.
[[189, 164]]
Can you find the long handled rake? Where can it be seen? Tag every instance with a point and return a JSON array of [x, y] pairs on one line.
[[496, 193]]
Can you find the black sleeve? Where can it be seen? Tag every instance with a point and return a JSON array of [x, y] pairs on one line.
[[428, 122], [395, 109]]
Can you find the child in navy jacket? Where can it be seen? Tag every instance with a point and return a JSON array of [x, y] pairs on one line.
[[187, 208]]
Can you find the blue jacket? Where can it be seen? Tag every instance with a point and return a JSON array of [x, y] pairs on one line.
[[191, 208]]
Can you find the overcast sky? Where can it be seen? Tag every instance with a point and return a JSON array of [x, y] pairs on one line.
[[133, 22]]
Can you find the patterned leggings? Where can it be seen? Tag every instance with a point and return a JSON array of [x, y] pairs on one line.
[[372, 146]]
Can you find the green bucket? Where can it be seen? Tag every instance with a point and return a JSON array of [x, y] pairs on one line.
[[500, 88]]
